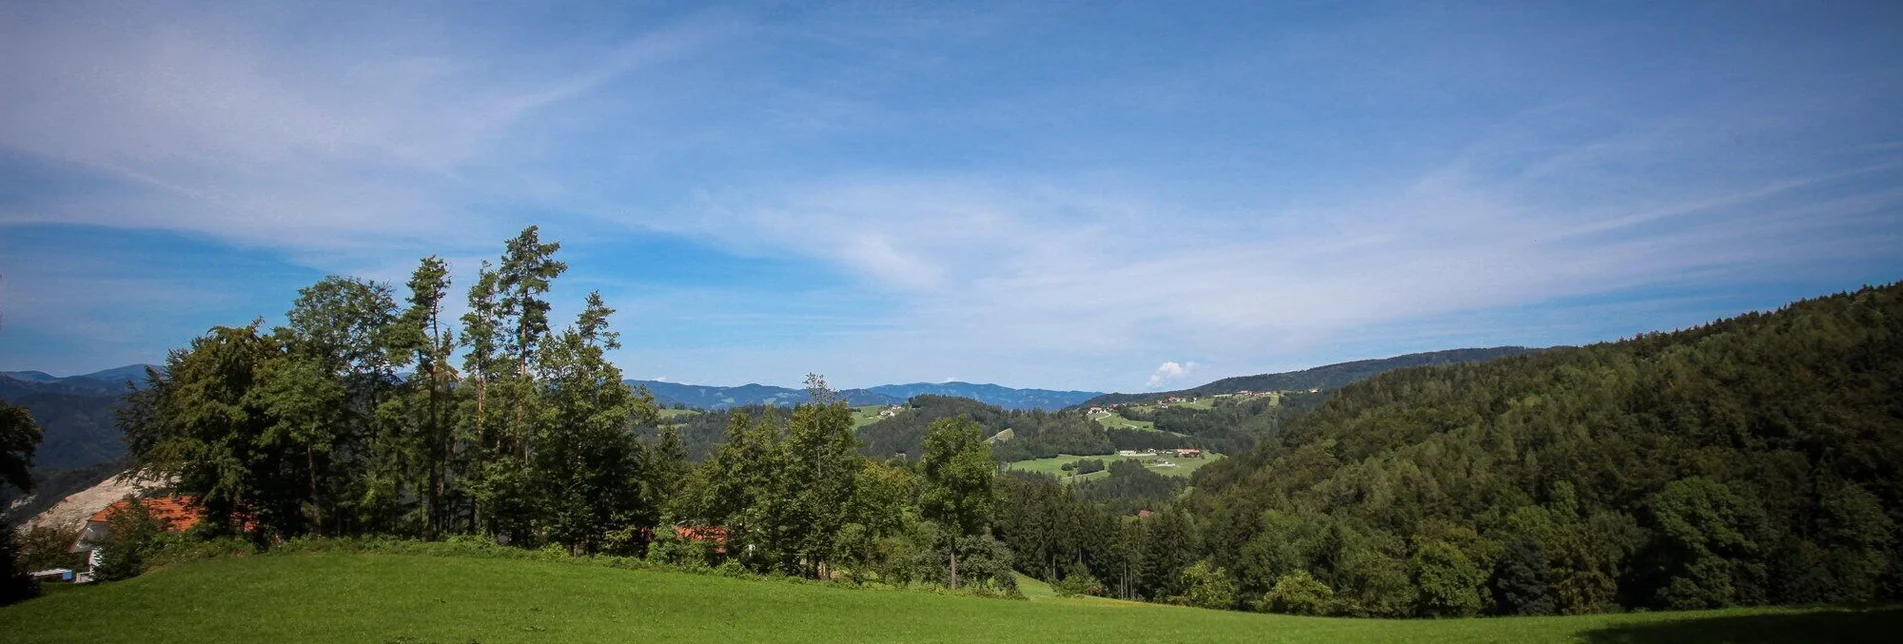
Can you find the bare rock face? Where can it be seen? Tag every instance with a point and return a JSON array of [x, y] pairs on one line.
[[72, 511]]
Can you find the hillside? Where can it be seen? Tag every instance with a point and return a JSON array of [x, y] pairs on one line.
[[69, 511], [450, 600], [1034, 433], [1325, 377], [1005, 397], [76, 414], [81, 444], [1751, 460], [669, 394]]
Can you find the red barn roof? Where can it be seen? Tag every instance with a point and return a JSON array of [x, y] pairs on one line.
[[712, 534], [176, 513]]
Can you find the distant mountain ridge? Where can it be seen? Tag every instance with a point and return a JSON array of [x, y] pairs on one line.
[[76, 412], [1332, 376], [113, 379], [1002, 396], [715, 397]]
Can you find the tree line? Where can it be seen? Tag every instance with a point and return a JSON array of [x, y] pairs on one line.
[[366, 414]]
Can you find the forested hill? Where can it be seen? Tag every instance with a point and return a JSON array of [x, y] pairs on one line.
[[669, 394], [115, 377], [1747, 461], [81, 443], [672, 394], [1002, 396], [75, 413], [1324, 377], [1033, 433]]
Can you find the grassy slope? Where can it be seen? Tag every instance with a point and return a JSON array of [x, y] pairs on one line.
[[866, 415], [1112, 421], [1055, 465], [412, 599]]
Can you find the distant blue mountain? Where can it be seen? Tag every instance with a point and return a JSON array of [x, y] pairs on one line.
[[999, 395], [76, 415], [669, 394], [117, 375], [711, 397], [110, 381], [30, 376]]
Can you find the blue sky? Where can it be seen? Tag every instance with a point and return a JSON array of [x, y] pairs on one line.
[[1117, 196]]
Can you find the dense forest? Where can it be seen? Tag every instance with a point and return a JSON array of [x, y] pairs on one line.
[[1325, 377], [1230, 425], [1033, 434], [1749, 461], [77, 414]]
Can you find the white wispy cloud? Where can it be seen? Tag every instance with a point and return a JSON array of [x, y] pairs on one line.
[[205, 122], [1074, 259], [1019, 265]]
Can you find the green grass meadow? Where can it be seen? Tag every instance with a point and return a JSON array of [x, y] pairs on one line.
[[385, 599], [1114, 421], [1054, 465], [866, 415]]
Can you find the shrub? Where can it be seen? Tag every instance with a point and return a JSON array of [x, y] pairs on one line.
[[731, 568], [44, 547], [1298, 593], [172, 548], [1206, 586], [1077, 581], [1449, 582], [133, 536], [1006, 581], [1522, 582]]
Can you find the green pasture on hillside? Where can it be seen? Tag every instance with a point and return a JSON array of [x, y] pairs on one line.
[[866, 415], [1055, 465], [407, 599], [1111, 420], [1199, 403]]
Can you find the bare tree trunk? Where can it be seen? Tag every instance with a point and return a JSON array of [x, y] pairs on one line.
[[310, 467], [954, 567]]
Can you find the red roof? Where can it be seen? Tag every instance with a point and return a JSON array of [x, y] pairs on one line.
[[715, 534], [176, 513]]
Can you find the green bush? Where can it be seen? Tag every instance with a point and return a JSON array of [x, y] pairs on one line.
[[1206, 586], [1449, 582], [1077, 581], [1298, 593], [44, 547], [134, 535]]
